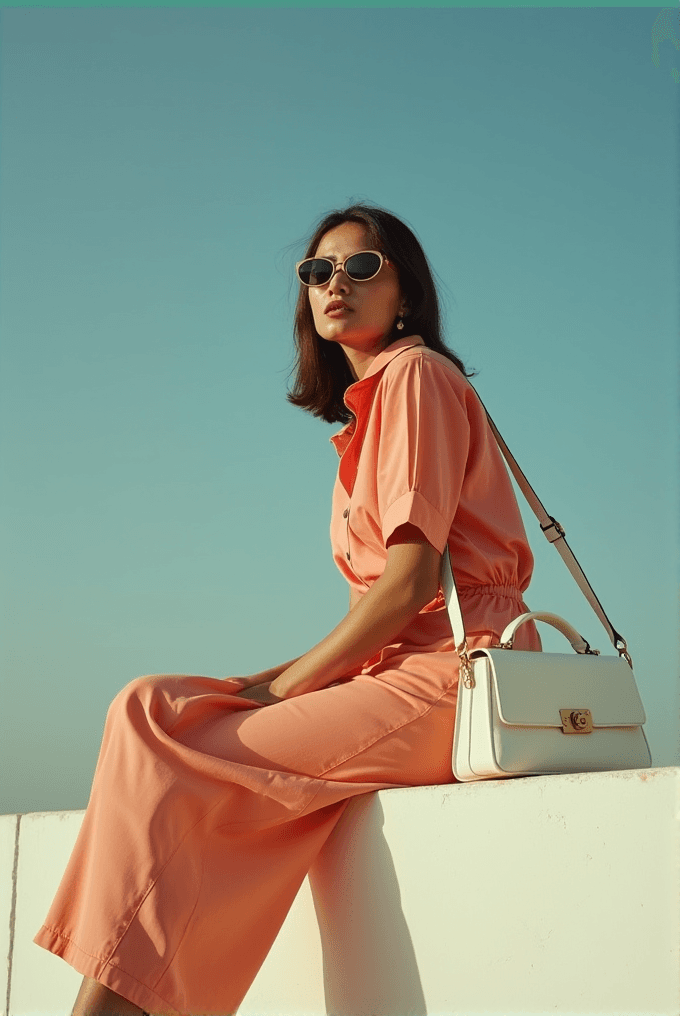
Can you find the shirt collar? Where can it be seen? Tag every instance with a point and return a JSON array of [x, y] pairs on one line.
[[388, 353], [364, 387]]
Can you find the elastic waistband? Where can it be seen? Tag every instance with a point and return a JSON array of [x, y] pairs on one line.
[[513, 592]]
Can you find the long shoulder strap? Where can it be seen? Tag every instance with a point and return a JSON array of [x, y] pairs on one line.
[[553, 532]]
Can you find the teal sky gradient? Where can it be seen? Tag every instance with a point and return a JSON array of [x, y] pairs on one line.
[[164, 509]]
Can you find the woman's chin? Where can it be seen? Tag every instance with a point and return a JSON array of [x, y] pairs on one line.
[[335, 331], [360, 341]]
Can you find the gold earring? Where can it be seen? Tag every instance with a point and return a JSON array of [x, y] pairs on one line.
[[400, 323]]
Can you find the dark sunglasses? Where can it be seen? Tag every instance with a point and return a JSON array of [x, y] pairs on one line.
[[359, 267]]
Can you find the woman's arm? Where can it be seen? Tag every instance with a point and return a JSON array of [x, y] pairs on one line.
[[409, 581], [273, 672]]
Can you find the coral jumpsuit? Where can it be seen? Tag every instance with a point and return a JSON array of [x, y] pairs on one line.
[[207, 809]]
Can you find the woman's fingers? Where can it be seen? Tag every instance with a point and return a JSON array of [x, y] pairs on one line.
[[259, 693], [237, 682], [250, 681]]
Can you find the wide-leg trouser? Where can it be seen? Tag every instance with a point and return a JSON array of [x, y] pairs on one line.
[[207, 811]]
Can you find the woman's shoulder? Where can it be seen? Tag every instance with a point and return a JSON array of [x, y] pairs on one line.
[[428, 362]]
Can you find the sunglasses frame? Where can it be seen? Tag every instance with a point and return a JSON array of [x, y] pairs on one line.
[[338, 266]]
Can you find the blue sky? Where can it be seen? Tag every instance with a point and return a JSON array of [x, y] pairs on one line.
[[164, 509]]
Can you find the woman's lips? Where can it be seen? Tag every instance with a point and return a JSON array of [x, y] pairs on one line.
[[338, 311]]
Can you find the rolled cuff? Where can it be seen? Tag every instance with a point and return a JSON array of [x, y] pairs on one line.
[[414, 508]]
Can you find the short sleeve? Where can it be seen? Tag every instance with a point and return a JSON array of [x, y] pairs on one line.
[[422, 449]]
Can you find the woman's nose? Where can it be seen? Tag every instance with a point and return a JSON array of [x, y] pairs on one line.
[[338, 280]]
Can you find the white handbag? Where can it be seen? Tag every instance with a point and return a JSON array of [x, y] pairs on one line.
[[529, 713]]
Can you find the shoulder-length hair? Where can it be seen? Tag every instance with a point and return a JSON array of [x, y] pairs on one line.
[[322, 370]]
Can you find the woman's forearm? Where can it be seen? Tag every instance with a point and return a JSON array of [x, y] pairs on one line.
[[375, 621], [273, 672]]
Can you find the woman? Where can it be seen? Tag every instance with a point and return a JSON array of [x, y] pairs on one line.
[[207, 807]]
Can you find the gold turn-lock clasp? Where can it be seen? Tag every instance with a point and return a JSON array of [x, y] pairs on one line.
[[576, 721]]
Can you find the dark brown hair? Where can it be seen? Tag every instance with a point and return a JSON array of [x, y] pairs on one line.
[[322, 371]]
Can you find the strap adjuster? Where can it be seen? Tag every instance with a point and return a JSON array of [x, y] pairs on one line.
[[558, 530]]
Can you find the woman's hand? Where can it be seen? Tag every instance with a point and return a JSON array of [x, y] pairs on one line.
[[256, 687], [262, 677]]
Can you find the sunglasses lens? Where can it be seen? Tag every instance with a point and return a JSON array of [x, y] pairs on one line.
[[363, 266], [315, 271]]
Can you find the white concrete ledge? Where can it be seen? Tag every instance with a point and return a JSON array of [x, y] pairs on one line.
[[555, 894]]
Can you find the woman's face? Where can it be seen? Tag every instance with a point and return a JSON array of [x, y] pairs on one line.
[[370, 308]]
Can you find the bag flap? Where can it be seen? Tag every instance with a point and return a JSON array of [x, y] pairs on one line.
[[530, 688]]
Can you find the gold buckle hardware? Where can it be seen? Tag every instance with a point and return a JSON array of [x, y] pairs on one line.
[[576, 721], [466, 666], [622, 649]]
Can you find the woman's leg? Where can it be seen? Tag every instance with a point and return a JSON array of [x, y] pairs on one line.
[[206, 813], [95, 999]]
